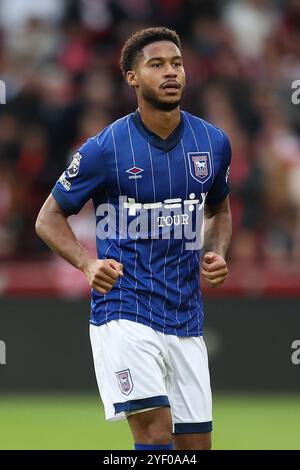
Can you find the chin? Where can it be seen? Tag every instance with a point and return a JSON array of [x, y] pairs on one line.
[[168, 105], [163, 104]]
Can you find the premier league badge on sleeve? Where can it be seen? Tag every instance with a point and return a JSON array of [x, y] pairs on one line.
[[73, 169], [125, 381], [200, 165], [227, 174]]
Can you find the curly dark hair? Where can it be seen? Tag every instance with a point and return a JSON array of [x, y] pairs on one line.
[[134, 45]]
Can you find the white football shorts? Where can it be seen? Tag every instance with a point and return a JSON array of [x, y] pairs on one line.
[[138, 369]]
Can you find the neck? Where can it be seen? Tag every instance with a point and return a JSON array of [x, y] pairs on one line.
[[162, 123]]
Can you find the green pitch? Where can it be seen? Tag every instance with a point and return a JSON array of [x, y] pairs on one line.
[[77, 422]]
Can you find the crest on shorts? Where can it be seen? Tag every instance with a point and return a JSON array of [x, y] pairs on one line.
[[125, 381], [200, 165], [73, 169]]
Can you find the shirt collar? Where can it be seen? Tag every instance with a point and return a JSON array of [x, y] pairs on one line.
[[163, 144]]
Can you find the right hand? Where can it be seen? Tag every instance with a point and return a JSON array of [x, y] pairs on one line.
[[103, 273]]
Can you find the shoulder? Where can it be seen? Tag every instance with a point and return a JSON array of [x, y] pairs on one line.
[[107, 137], [102, 143], [216, 135], [120, 124]]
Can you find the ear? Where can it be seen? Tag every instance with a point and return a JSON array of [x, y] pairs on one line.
[[131, 78]]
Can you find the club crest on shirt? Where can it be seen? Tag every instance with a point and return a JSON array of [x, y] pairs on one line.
[[200, 165], [73, 169], [125, 381]]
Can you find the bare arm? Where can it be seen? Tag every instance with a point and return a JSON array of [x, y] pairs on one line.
[[217, 228], [217, 235], [53, 228]]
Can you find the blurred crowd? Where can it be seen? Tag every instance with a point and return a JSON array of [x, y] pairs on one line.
[[60, 62]]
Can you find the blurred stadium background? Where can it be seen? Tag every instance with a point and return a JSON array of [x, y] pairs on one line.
[[59, 60]]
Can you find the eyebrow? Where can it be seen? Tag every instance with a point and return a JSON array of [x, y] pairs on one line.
[[176, 57]]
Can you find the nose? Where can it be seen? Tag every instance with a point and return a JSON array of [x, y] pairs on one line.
[[170, 71]]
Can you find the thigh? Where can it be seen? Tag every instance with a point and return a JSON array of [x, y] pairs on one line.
[[129, 367], [189, 387]]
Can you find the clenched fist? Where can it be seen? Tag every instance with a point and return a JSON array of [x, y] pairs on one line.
[[214, 269], [103, 273]]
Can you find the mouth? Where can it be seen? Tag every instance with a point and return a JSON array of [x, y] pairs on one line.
[[171, 85]]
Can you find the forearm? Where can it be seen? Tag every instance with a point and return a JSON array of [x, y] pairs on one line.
[[217, 231], [54, 229]]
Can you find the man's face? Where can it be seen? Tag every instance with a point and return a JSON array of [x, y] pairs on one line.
[[159, 76]]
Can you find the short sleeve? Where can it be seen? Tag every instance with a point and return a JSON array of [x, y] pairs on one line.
[[220, 188], [84, 176]]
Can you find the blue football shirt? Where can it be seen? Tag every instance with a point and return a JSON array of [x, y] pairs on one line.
[[149, 195]]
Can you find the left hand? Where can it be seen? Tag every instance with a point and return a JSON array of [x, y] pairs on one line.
[[214, 269]]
